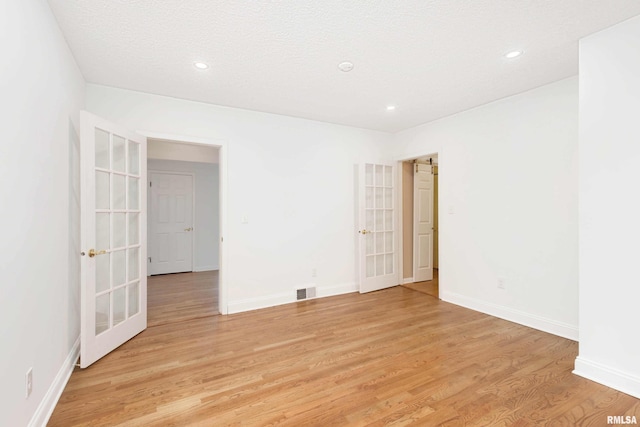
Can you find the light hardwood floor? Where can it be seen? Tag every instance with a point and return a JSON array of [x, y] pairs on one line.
[[429, 287], [179, 297], [395, 356]]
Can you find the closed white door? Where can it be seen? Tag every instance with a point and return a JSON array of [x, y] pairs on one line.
[[113, 215], [377, 233], [171, 223], [422, 223]]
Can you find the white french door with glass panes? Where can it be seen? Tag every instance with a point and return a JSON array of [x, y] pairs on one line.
[[113, 215], [377, 252]]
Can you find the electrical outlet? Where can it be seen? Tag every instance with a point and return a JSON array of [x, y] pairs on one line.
[[28, 382], [501, 284]]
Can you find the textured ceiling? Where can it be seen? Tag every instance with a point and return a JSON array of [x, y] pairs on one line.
[[430, 58]]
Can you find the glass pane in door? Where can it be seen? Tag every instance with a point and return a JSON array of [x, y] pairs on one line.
[[119, 192], [119, 305], [134, 156], [102, 149], [134, 298], [119, 230], [102, 313], [103, 230], [134, 229], [103, 273], [118, 270], [119, 159]]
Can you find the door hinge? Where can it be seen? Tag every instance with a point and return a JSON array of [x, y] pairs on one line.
[[149, 259], [149, 183]]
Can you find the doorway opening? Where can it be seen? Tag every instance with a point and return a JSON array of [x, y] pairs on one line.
[[419, 224], [183, 230]]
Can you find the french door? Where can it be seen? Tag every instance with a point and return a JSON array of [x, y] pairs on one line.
[[377, 232], [113, 216]]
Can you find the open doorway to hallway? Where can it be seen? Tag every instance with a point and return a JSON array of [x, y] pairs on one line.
[[183, 231], [420, 224]]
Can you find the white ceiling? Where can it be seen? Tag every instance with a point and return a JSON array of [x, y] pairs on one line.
[[430, 58]]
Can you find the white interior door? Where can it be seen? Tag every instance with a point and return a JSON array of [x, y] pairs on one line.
[[422, 223], [377, 252], [113, 215], [170, 223]]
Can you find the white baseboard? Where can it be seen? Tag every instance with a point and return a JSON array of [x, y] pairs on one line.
[[561, 329], [48, 404], [205, 268], [608, 376], [407, 280], [286, 298], [259, 302], [329, 291]]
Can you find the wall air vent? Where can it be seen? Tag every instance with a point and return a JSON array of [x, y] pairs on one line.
[[305, 293]]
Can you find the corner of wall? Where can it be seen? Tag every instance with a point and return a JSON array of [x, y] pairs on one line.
[[607, 376]]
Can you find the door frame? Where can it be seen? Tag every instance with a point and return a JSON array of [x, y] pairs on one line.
[[399, 207], [193, 208], [223, 147]]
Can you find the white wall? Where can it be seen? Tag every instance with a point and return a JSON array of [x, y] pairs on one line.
[[509, 173], [610, 207], [42, 92], [207, 230], [291, 178]]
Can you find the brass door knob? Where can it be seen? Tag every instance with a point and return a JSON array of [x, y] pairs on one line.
[[188, 229], [92, 252], [364, 231]]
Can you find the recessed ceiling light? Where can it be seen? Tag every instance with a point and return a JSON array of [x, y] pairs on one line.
[[200, 65], [391, 107], [513, 54], [345, 66]]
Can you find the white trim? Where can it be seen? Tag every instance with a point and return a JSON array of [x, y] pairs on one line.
[[289, 297], [48, 403], [561, 329], [608, 376], [223, 289], [206, 268], [222, 145], [260, 302], [399, 206], [407, 280], [344, 288], [399, 222]]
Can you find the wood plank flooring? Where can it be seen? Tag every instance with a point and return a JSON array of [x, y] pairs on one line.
[[392, 357], [429, 287], [179, 297]]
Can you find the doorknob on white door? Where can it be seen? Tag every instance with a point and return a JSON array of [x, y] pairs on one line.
[[364, 231], [93, 252], [188, 229]]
